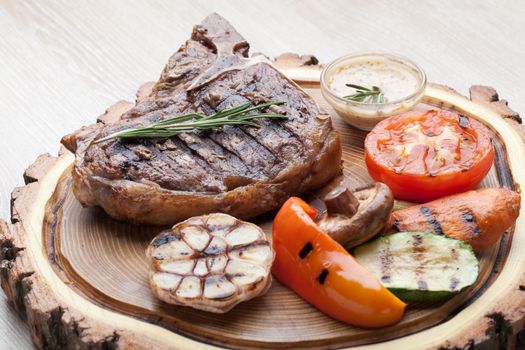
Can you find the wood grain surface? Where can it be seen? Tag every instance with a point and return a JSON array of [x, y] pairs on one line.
[[62, 63], [104, 262], [76, 269]]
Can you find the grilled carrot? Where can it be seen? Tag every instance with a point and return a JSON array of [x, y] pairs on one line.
[[479, 217]]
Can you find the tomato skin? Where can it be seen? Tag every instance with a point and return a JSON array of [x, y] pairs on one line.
[[349, 293], [420, 188]]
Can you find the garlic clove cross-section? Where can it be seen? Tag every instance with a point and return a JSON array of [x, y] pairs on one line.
[[211, 263]]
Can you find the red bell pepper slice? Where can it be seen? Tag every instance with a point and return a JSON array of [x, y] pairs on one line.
[[323, 273]]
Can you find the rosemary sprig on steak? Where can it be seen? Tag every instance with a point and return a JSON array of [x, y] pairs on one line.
[[363, 94], [172, 126]]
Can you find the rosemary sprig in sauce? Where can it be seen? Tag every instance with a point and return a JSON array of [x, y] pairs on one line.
[[363, 94], [194, 121]]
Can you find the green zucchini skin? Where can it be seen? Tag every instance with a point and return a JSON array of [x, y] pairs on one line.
[[412, 296], [420, 266]]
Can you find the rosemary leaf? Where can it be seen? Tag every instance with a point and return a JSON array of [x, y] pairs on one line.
[[194, 121], [357, 87], [364, 94]]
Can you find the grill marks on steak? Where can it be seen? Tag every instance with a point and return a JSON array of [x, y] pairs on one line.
[[206, 160], [221, 170], [168, 163]]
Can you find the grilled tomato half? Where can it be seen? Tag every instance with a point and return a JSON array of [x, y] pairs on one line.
[[425, 155]]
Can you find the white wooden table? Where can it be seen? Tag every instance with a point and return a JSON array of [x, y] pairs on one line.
[[63, 62]]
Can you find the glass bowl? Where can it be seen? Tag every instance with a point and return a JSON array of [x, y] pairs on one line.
[[365, 115]]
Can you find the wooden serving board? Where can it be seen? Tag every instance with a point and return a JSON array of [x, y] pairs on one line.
[[80, 277]]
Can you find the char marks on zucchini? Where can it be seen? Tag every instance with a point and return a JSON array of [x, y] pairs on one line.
[[418, 254], [422, 266], [386, 262]]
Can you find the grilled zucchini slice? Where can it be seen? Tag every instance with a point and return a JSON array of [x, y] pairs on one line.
[[420, 266]]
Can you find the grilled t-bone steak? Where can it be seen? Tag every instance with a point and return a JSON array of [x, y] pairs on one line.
[[242, 171]]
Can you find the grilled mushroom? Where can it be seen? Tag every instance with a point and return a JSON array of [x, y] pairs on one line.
[[353, 218], [210, 262]]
